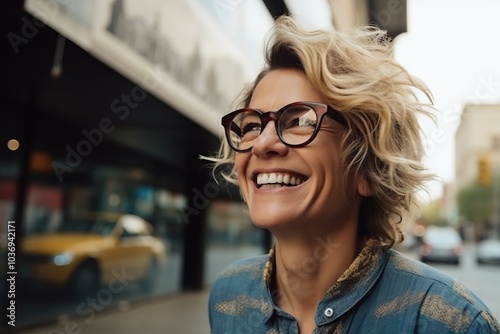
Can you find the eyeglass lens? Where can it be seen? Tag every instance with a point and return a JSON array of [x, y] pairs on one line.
[[295, 126]]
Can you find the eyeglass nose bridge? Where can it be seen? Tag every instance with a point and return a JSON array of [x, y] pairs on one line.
[[270, 116]]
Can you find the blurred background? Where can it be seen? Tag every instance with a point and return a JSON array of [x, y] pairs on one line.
[[107, 106]]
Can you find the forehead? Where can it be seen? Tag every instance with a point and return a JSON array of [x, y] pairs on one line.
[[281, 87]]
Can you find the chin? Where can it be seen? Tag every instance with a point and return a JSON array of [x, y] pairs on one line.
[[271, 223]]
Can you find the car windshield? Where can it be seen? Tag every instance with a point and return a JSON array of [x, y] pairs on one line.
[[493, 246], [98, 226], [443, 237]]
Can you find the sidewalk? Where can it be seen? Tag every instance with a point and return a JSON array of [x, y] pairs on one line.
[[186, 313]]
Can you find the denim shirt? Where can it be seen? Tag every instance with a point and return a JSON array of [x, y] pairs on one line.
[[383, 291]]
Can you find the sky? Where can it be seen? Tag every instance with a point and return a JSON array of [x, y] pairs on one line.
[[454, 47]]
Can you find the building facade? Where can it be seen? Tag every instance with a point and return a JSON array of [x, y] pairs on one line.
[[478, 135]]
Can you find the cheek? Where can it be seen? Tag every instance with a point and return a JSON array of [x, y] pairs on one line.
[[332, 171], [240, 165]]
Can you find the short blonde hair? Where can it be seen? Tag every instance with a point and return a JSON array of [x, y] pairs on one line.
[[356, 74]]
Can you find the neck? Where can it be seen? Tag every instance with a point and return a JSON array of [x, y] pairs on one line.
[[307, 266]]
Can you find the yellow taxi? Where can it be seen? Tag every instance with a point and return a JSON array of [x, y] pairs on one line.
[[90, 253]]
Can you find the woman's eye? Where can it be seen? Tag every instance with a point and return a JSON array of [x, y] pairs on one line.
[[249, 127]]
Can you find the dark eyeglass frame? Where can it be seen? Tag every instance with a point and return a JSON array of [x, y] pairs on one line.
[[320, 109]]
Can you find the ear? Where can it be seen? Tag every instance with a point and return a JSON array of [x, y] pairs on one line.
[[365, 188]]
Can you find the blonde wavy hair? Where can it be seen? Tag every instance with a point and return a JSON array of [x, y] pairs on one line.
[[356, 74]]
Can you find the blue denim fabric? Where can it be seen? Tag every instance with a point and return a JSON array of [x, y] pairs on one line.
[[382, 292]]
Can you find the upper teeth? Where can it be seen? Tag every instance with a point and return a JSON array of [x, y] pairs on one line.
[[272, 178]]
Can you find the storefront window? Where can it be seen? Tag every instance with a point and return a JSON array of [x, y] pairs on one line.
[[231, 236]]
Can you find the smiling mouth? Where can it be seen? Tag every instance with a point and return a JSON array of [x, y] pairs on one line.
[[278, 180]]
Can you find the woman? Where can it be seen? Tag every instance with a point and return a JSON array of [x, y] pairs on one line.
[[327, 154]]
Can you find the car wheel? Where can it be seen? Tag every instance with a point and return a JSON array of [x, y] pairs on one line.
[[149, 282], [85, 282]]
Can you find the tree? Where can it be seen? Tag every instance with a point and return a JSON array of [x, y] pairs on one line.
[[430, 214], [475, 203]]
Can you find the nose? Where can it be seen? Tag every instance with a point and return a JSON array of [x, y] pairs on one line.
[[268, 144]]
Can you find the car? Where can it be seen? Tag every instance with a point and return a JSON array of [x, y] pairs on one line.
[[94, 251], [441, 244], [488, 251]]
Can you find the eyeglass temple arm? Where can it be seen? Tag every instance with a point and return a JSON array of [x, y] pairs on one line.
[[338, 117]]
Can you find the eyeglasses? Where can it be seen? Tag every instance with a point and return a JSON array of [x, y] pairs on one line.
[[297, 124]]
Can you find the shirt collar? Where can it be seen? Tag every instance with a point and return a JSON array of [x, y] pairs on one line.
[[352, 285]]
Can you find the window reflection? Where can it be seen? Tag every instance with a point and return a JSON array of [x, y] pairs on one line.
[[231, 236]]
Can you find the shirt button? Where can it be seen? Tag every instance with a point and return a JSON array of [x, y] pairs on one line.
[[329, 312]]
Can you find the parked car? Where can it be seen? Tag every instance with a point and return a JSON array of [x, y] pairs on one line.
[[488, 251], [441, 244], [91, 252]]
